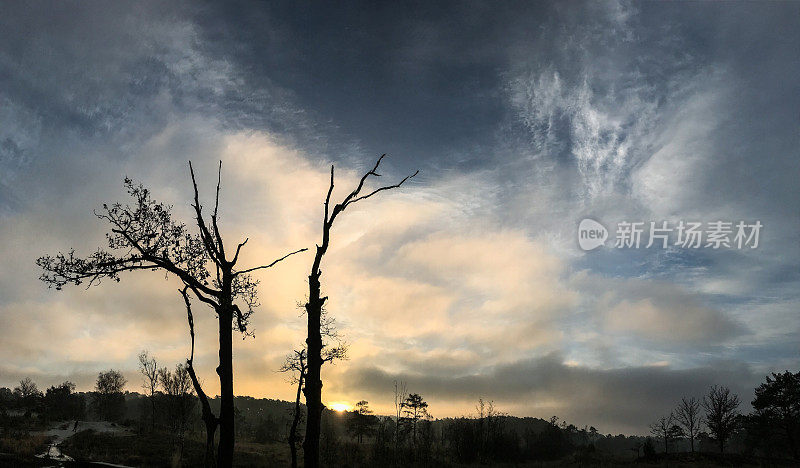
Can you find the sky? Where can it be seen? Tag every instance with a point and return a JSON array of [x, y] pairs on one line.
[[523, 118]]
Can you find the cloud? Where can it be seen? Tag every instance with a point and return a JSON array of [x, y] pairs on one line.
[[660, 313], [624, 399]]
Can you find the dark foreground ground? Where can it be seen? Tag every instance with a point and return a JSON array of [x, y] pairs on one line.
[[93, 449]]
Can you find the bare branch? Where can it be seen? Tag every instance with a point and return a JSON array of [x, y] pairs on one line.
[[372, 172], [205, 235], [202, 297], [219, 181], [397, 185], [336, 353], [191, 321], [220, 245], [211, 421], [238, 249], [354, 197], [271, 264], [295, 362], [328, 196]]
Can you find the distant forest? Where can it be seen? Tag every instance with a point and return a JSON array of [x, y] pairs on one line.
[[163, 427]]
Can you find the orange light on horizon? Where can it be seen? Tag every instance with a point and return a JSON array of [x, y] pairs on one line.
[[340, 406]]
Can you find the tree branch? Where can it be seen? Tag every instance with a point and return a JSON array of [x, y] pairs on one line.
[[271, 264], [385, 188], [205, 234], [220, 245], [239, 248], [354, 197]]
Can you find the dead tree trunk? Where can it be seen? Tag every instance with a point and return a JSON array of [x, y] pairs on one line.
[[314, 309], [209, 419], [313, 388], [225, 372]]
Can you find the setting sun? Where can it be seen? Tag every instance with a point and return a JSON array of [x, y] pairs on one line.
[[338, 406]]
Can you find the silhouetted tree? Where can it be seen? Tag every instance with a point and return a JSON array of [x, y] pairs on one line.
[[722, 413], [144, 236], [415, 408], [314, 311], [295, 363], [110, 401], [662, 429], [179, 397], [361, 421], [61, 402], [777, 404], [687, 414], [148, 366], [28, 395]]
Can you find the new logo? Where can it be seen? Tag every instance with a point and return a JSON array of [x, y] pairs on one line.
[[591, 234]]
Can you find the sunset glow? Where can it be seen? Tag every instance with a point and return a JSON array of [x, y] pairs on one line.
[[338, 406]]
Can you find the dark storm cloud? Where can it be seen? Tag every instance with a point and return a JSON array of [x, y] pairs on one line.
[[625, 399]]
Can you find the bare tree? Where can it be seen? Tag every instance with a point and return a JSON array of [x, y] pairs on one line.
[[314, 308], [688, 416], [661, 429], [297, 364], [144, 236], [148, 366], [28, 394], [722, 413], [27, 388]]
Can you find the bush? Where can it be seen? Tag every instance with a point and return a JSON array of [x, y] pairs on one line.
[[24, 444]]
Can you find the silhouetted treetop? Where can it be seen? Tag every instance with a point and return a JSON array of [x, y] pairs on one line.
[[144, 235]]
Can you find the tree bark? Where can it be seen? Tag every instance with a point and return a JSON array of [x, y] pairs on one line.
[[225, 372], [313, 387]]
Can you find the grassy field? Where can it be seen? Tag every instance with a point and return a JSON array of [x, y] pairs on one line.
[[156, 450]]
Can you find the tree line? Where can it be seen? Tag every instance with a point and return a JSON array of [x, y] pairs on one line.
[[772, 428], [412, 436]]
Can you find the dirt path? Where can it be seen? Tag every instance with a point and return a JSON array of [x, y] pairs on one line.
[[64, 430]]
